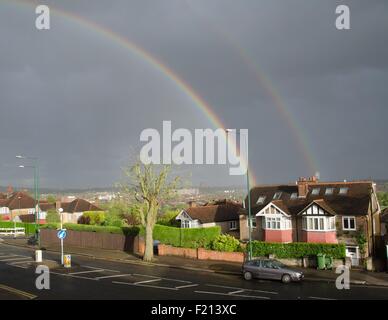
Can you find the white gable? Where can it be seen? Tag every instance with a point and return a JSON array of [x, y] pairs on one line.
[[273, 210], [314, 210], [183, 216]]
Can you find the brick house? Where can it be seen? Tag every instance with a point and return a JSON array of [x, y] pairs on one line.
[[314, 211], [222, 213], [75, 209]]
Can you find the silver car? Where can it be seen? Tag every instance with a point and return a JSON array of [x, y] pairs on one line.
[[270, 269]]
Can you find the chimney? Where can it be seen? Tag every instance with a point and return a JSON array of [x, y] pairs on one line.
[[302, 187], [192, 204], [303, 184], [9, 191]]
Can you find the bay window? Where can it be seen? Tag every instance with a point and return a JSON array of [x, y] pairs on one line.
[[318, 223], [276, 223]]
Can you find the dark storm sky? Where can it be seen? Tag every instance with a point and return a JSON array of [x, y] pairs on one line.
[[78, 100]]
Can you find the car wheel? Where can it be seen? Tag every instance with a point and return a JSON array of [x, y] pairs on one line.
[[286, 278], [247, 275]]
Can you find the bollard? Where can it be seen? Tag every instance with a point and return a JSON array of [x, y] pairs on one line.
[[38, 256]]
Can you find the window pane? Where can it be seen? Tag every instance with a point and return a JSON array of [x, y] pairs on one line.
[[352, 223], [315, 224], [346, 223], [310, 223], [321, 224]]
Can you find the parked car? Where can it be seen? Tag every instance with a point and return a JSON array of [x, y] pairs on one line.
[[270, 269]]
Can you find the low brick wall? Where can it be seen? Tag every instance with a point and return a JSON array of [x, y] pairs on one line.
[[200, 254], [165, 250], [204, 254]]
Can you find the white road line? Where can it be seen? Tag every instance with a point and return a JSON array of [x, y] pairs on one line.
[[252, 290], [146, 286], [83, 272], [238, 291], [235, 295], [321, 298], [14, 259], [90, 267], [8, 256], [71, 276], [187, 286], [19, 262], [168, 279], [148, 281], [113, 276]]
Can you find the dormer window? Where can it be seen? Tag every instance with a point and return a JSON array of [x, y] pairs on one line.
[[294, 195], [277, 196], [329, 191], [315, 191], [343, 190], [260, 200]]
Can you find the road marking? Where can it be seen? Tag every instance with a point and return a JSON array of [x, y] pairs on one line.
[[252, 290], [83, 272], [17, 292], [148, 281], [113, 276], [187, 286], [71, 276], [168, 279], [321, 298], [145, 275], [90, 267], [235, 295], [146, 286], [238, 291], [15, 259], [19, 262]]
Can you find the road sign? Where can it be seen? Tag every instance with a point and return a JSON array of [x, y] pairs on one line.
[[61, 234]]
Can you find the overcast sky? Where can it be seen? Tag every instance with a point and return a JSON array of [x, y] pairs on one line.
[[78, 100]]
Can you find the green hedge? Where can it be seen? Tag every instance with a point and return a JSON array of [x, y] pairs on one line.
[[130, 231], [184, 237], [296, 249], [28, 227]]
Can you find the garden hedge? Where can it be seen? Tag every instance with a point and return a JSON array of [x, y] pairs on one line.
[[297, 249], [184, 237]]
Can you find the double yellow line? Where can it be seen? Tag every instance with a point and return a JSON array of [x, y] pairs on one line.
[[20, 293]]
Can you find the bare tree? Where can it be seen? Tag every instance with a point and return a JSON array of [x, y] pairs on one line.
[[149, 185]]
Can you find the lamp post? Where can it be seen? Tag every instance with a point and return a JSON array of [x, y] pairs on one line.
[[250, 255], [60, 210], [35, 167]]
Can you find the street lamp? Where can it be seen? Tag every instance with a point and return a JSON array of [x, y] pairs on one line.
[[35, 167], [250, 255], [60, 211]]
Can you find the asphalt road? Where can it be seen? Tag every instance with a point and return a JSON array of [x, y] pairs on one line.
[[99, 279]]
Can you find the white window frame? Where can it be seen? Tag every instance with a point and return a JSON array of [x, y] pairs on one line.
[[343, 190], [186, 224], [261, 200], [277, 195], [276, 223], [313, 191], [315, 223], [327, 193], [254, 222], [348, 218], [233, 225]]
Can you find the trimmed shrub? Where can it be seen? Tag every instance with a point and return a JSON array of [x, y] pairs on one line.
[[52, 216], [297, 249], [92, 218], [226, 242], [168, 218], [182, 237]]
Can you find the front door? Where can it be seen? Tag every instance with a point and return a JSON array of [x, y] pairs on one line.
[[352, 253]]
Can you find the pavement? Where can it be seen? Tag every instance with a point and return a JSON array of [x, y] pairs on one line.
[[357, 276]]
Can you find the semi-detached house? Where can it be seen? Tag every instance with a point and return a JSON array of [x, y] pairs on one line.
[[317, 212]]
